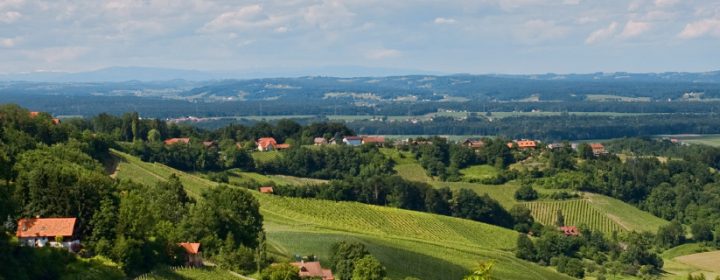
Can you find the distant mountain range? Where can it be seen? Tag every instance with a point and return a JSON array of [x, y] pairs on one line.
[[149, 74]]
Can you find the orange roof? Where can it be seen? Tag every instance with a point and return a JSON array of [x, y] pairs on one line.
[[372, 139], [266, 142], [190, 248], [526, 144], [46, 227], [570, 230], [34, 114], [597, 146], [282, 146], [313, 269], [266, 189], [177, 140], [56, 121]]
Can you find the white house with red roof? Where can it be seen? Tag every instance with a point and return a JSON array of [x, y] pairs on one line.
[[313, 270], [41, 232]]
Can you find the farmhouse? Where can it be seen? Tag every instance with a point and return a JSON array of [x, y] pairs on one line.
[[173, 141], [352, 140], [474, 144], [598, 149], [555, 146], [523, 144], [378, 140], [194, 257], [319, 141], [41, 232], [266, 144], [570, 230], [268, 189], [313, 270]]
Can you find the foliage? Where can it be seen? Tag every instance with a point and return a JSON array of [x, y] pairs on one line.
[[368, 268], [284, 271], [526, 193], [344, 256], [482, 272]]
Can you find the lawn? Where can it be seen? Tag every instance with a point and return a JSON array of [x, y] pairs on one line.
[[479, 172], [707, 263], [265, 156], [413, 172], [409, 243]]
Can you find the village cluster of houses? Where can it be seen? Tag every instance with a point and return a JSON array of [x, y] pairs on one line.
[[526, 144]]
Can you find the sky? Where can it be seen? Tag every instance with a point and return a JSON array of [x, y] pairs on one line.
[[462, 36]]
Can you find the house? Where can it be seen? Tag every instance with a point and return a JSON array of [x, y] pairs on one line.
[[352, 140], [210, 144], [474, 144], [313, 270], [194, 256], [268, 189], [570, 230], [55, 121], [598, 149], [41, 232], [555, 146], [523, 144], [34, 114], [266, 144], [319, 141], [282, 146], [374, 140], [173, 141]]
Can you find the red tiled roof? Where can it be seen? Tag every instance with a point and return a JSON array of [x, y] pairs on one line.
[[313, 269], [526, 144], [177, 140], [34, 114], [46, 227], [570, 230], [266, 141], [190, 248], [373, 139], [266, 189], [282, 146], [597, 146], [56, 121]]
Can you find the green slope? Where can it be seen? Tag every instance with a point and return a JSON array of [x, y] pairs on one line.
[[408, 243]]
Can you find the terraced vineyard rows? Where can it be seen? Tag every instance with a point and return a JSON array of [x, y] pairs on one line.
[[576, 212]]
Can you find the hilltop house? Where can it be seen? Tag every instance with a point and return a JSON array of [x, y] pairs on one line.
[[319, 141], [282, 146], [173, 141], [266, 144], [313, 270], [41, 232], [598, 149], [352, 140], [375, 140], [192, 250], [55, 121], [268, 189], [474, 144]]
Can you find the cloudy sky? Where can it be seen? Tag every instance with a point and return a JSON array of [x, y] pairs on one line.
[[469, 36]]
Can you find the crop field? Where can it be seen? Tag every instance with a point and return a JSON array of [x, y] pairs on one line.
[[413, 172], [626, 215], [409, 243], [576, 212], [265, 156], [706, 263], [707, 139]]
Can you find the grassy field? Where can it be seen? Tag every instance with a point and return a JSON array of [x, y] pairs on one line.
[[408, 243], [265, 156], [706, 139], [626, 215], [206, 273], [707, 263], [479, 172]]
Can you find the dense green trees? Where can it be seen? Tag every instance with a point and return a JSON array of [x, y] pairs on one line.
[[283, 271], [526, 193], [343, 257], [368, 268]]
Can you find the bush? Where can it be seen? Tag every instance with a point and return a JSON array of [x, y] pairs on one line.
[[526, 193], [283, 271]]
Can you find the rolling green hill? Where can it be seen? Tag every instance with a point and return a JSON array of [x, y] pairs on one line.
[[409, 243]]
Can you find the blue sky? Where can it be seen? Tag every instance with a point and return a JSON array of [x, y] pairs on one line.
[[480, 36]]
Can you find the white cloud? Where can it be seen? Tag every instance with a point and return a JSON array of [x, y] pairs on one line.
[[701, 28], [10, 16], [57, 54], [602, 34], [8, 42], [586, 20], [634, 29], [666, 3], [246, 17], [442, 20], [330, 13], [382, 53], [281, 29], [534, 31]]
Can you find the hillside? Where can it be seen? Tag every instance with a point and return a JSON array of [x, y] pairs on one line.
[[597, 211], [408, 243]]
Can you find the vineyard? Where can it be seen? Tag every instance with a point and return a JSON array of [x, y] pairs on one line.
[[408, 243], [186, 273], [577, 212]]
